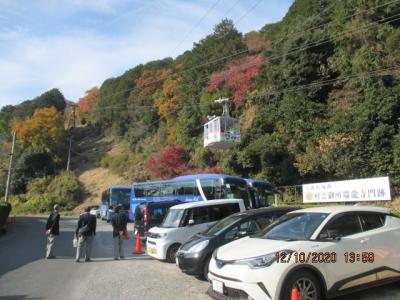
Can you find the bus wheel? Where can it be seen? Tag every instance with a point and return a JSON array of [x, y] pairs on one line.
[[171, 253]]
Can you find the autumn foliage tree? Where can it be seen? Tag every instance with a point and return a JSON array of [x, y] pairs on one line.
[[166, 103], [85, 104], [169, 162], [238, 77], [150, 81], [254, 42], [44, 131]]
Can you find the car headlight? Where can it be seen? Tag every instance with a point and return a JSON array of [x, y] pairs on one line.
[[261, 261], [198, 247], [158, 235]]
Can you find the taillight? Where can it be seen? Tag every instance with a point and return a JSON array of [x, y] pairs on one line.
[[145, 216]]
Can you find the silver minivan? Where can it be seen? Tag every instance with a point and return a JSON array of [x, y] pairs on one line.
[[185, 220]]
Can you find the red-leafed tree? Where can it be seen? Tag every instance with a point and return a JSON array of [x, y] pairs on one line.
[[168, 162], [238, 77]]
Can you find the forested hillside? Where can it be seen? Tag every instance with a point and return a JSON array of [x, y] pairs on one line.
[[317, 95]]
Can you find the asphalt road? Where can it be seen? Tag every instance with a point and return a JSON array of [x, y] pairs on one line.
[[25, 274]]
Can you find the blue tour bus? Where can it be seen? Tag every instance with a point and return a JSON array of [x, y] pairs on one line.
[[262, 192], [197, 187], [115, 195]]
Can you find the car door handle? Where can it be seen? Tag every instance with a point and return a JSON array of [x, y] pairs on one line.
[[363, 241]]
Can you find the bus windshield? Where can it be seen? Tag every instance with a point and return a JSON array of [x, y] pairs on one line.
[[120, 196], [263, 194], [237, 189]]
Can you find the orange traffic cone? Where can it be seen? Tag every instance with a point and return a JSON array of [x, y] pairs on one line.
[[295, 294], [138, 244]]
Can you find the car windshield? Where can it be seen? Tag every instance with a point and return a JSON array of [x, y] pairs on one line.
[[222, 224], [293, 226], [173, 219]]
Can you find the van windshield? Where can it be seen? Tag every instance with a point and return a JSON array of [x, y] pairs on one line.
[[173, 219]]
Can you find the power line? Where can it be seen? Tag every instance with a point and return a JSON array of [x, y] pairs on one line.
[[248, 11], [327, 23], [245, 51], [195, 26], [340, 35], [231, 8], [370, 74]]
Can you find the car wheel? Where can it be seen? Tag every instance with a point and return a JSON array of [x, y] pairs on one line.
[[205, 268], [306, 283], [171, 253]]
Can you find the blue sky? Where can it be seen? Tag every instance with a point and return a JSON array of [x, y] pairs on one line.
[[74, 45]]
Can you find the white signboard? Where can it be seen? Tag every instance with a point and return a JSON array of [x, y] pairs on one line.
[[369, 189]]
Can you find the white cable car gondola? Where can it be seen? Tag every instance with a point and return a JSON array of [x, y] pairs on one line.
[[222, 132]]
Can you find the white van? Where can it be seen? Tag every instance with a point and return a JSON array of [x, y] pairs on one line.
[[185, 220]]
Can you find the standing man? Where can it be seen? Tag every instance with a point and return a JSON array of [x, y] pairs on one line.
[[52, 230], [119, 222], [85, 232], [138, 219]]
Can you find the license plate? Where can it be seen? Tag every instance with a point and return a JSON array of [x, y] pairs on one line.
[[218, 286], [150, 250]]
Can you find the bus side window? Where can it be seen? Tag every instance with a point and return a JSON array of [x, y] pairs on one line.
[[186, 188], [139, 191], [212, 188]]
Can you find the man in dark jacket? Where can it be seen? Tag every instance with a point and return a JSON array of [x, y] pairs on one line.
[[52, 230], [119, 222], [85, 231]]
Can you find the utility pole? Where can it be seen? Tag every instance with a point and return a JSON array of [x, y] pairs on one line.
[[70, 138], [69, 151], [10, 168], [73, 113]]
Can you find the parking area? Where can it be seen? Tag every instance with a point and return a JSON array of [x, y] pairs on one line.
[[24, 274]]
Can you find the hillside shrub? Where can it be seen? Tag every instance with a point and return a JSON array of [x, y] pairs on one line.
[[42, 193]]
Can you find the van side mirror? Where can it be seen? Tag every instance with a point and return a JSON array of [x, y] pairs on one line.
[[191, 222]]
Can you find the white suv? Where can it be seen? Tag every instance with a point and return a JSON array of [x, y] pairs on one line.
[[185, 220], [323, 252]]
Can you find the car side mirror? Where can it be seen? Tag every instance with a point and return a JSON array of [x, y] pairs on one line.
[[191, 222], [241, 234], [331, 238]]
